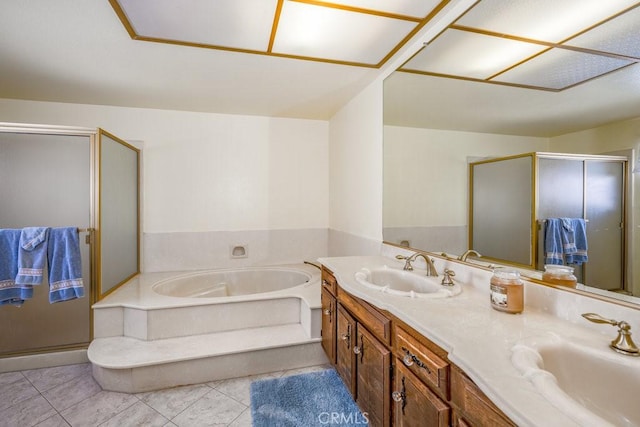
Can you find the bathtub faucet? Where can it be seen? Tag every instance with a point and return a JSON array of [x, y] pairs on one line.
[[314, 264]]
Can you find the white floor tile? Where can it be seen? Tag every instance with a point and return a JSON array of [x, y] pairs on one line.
[[213, 409], [170, 402], [138, 414], [239, 388], [72, 392], [28, 412], [16, 392], [98, 408], [46, 378], [54, 421]]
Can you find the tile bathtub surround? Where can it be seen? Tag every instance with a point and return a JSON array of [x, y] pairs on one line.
[[211, 249], [69, 396]]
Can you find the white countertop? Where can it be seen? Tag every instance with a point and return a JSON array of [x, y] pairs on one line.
[[478, 338]]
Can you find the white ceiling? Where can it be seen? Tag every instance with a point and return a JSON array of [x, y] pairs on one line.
[[79, 51]]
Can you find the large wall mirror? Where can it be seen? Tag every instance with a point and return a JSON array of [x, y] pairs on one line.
[[440, 116]]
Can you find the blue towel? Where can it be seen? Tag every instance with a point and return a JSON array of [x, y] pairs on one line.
[[65, 265], [553, 248], [10, 292], [578, 235], [565, 241], [32, 255]]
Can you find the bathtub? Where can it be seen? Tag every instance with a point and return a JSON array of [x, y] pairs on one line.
[[226, 283], [166, 329]]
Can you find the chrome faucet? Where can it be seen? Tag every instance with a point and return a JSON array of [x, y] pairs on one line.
[[431, 269], [623, 342], [468, 252]]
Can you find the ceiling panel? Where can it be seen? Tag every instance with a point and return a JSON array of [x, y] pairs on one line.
[[561, 68], [350, 32], [546, 20], [335, 34], [621, 36], [240, 24], [416, 9], [471, 55], [535, 44]]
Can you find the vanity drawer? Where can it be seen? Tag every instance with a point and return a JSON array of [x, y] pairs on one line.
[[378, 324], [329, 281], [478, 410], [424, 363]]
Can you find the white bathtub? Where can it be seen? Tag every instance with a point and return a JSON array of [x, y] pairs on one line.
[[174, 328], [226, 283]]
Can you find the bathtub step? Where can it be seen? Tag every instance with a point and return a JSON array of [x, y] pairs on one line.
[[131, 365]]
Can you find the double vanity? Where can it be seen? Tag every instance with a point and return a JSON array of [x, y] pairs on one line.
[[415, 351]]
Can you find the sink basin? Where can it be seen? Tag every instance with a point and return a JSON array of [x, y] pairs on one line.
[[594, 386], [413, 284]]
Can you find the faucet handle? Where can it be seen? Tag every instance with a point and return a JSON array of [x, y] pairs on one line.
[[407, 262], [623, 342], [596, 318], [446, 280]]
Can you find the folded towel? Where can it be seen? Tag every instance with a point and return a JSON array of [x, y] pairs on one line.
[[553, 247], [32, 255], [565, 241], [578, 249], [10, 292], [65, 265]]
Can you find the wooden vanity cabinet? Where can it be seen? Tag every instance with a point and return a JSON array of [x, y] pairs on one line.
[[473, 407], [396, 375], [346, 339], [373, 373], [363, 356], [415, 404], [329, 314]]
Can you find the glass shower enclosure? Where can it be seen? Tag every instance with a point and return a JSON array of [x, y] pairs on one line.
[[68, 177]]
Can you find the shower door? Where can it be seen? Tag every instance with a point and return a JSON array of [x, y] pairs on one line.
[[45, 180]]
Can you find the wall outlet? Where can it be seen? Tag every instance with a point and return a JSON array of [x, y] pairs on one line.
[[239, 251]]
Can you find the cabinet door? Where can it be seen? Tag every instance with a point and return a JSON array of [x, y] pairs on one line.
[[345, 341], [374, 378], [329, 325], [414, 403], [476, 408]]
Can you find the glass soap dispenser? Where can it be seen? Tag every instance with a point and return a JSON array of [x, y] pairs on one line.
[[507, 290]]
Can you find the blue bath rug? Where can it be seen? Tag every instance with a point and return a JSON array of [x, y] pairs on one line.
[[307, 400]]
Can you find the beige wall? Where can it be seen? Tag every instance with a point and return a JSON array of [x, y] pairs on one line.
[[212, 172], [426, 172], [355, 166]]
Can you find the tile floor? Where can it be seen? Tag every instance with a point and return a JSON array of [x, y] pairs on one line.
[[69, 396]]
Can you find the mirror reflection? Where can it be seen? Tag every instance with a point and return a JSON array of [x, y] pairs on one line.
[[432, 135]]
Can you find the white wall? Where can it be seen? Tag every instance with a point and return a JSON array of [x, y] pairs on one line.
[[426, 172], [212, 172], [426, 182], [355, 172]]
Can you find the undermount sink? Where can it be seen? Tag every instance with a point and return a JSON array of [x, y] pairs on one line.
[[593, 385], [413, 284]]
